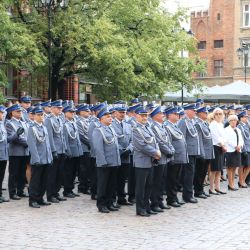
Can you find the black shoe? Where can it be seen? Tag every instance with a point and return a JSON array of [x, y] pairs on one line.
[[151, 212], [34, 205], [93, 197], [69, 195], [174, 204], [15, 197], [232, 189], [213, 193], [143, 214], [43, 203], [23, 195], [116, 205], [131, 200], [112, 208], [220, 192], [125, 203], [61, 198], [84, 191], [191, 200], [208, 195], [103, 210], [53, 200], [201, 196], [3, 199], [242, 186], [181, 202], [157, 209], [162, 206]]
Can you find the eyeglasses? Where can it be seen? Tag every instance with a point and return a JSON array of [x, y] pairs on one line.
[[218, 114]]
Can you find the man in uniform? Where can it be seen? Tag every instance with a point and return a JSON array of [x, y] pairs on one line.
[[175, 166], [40, 160], [18, 152], [46, 108], [54, 126], [207, 152], [107, 154], [82, 123], [190, 133], [146, 150], [124, 134], [25, 102]]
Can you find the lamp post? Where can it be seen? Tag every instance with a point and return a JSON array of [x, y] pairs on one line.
[[48, 7], [243, 52]]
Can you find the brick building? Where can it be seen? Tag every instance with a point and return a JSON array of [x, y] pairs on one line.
[[220, 31]]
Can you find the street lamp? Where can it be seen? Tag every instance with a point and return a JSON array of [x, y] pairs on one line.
[[243, 51], [48, 6]]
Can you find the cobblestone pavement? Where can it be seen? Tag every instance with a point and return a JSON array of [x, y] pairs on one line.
[[220, 222]]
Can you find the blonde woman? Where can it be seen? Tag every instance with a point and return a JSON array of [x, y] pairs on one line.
[[219, 143]]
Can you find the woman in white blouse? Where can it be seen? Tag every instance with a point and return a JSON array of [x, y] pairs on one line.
[[219, 142], [235, 143]]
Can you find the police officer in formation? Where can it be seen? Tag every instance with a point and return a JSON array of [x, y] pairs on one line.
[[154, 149]]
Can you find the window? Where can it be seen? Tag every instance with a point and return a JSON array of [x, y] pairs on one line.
[[202, 45], [218, 44], [218, 67], [201, 74], [246, 14], [218, 17]]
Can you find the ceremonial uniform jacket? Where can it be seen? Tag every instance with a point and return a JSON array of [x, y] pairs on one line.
[[73, 143], [131, 121], [106, 146], [164, 142], [17, 144], [83, 126], [245, 131], [145, 146], [39, 145], [178, 142], [191, 135], [94, 123], [124, 134], [25, 115], [205, 139], [3, 143], [54, 127]]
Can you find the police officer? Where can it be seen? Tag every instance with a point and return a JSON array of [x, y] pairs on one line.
[[25, 102], [54, 126], [190, 133], [207, 152], [46, 108], [4, 152], [124, 134], [175, 166], [82, 123], [167, 152], [146, 151], [18, 152], [73, 152], [40, 160], [107, 154]]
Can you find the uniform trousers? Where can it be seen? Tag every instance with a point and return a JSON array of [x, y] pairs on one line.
[[17, 174], [55, 177], [131, 179], [143, 186], [2, 172], [122, 175], [69, 174], [188, 178], [93, 176], [201, 168], [37, 186], [84, 173], [174, 172], [106, 185], [158, 175]]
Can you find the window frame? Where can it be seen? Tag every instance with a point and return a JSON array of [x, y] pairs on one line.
[[244, 13], [219, 41], [218, 69]]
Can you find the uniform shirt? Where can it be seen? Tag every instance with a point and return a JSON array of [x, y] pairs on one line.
[[83, 127], [3, 143]]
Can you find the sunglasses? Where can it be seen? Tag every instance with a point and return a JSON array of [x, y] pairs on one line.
[[218, 114]]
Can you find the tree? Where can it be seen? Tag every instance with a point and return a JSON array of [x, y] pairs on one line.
[[129, 48]]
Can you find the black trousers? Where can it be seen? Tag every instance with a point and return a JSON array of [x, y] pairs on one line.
[[17, 174], [188, 178], [144, 179], [2, 172], [174, 172], [131, 179], [201, 168], [158, 173], [122, 176], [106, 185], [84, 172], [69, 174], [55, 177], [93, 176], [38, 181]]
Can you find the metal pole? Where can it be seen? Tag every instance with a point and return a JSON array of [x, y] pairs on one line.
[[49, 51], [182, 85], [245, 59]]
